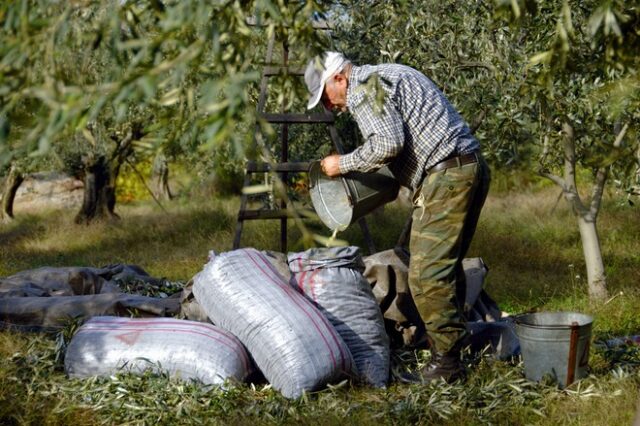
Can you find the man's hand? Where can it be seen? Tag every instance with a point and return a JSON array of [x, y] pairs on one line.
[[331, 165]]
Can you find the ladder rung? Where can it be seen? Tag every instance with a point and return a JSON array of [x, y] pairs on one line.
[[253, 167], [271, 71], [298, 118], [270, 214]]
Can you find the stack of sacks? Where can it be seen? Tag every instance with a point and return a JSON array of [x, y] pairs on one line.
[[319, 325], [291, 341], [332, 278], [184, 349]]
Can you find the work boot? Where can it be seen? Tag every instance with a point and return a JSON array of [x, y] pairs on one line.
[[448, 367]]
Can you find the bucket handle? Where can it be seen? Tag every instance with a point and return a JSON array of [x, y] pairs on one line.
[[347, 190], [573, 349]]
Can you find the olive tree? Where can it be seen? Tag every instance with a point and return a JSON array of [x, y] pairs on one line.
[[118, 77], [585, 87]]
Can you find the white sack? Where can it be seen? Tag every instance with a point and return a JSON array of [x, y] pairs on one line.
[[294, 345], [185, 349]]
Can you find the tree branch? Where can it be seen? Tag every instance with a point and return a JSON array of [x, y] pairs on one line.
[[477, 121], [552, 177], [598, 190], [545, 149], [145, 185], [571, 191], [568, 143], [601, 177], [555, 179]]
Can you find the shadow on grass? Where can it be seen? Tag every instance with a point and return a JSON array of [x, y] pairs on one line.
[[521, 269], [149, 238], [158, 241], [18, 230]]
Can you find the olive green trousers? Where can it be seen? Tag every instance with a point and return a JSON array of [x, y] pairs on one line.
[[446, 210]]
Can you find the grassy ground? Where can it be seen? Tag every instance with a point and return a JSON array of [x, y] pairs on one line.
[[529, 241]]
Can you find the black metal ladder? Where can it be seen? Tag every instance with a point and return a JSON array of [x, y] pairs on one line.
[[282, 210]]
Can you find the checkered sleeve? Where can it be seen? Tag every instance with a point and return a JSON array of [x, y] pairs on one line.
[[384, 138]]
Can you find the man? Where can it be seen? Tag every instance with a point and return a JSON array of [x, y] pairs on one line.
[[415, 131]]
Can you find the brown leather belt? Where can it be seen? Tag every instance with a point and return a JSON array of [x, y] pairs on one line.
[[458, 161]]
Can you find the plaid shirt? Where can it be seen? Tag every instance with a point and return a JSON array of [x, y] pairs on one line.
[[415, 129]]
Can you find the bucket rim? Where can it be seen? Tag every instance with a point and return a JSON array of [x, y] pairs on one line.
[[519, 320]]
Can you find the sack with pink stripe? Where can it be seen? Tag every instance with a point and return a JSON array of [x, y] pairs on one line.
[[332, 278], [184, 349], [294, 345]]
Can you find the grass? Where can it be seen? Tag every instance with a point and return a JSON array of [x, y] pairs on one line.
[[529, 241]]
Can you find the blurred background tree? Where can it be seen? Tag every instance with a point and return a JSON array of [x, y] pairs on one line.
[[117, 78]]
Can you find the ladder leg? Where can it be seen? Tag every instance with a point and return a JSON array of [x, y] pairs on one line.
[[284, 155], [405, 235], [243, 207], [238, 236], [335, 137], [247, 180], [367, 235]]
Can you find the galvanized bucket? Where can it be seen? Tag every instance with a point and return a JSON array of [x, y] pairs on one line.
[[341, 201], [555, 344]]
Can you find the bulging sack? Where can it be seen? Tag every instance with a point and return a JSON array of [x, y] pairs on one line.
[[294, 345], [332, 278], [185, 349]]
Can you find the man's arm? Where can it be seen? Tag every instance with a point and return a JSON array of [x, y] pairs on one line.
[[374, 153], [384, 140]]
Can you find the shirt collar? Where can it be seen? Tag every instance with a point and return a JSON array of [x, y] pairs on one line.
[[354, 97]]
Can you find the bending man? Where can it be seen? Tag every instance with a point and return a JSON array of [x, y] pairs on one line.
[[415, 131]]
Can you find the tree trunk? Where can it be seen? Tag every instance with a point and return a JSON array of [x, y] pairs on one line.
[[596, 277], [160, 178], [586, 215], [12, 184], [635, 186], [99, 198]]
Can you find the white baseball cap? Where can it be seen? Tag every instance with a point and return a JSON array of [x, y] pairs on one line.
[[318, 71]]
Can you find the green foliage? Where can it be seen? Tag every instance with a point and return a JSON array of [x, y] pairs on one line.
[[475, 61], [495, 392], [584, 73], [221, 170], [519, 77], [189, 70], [180, 68]]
